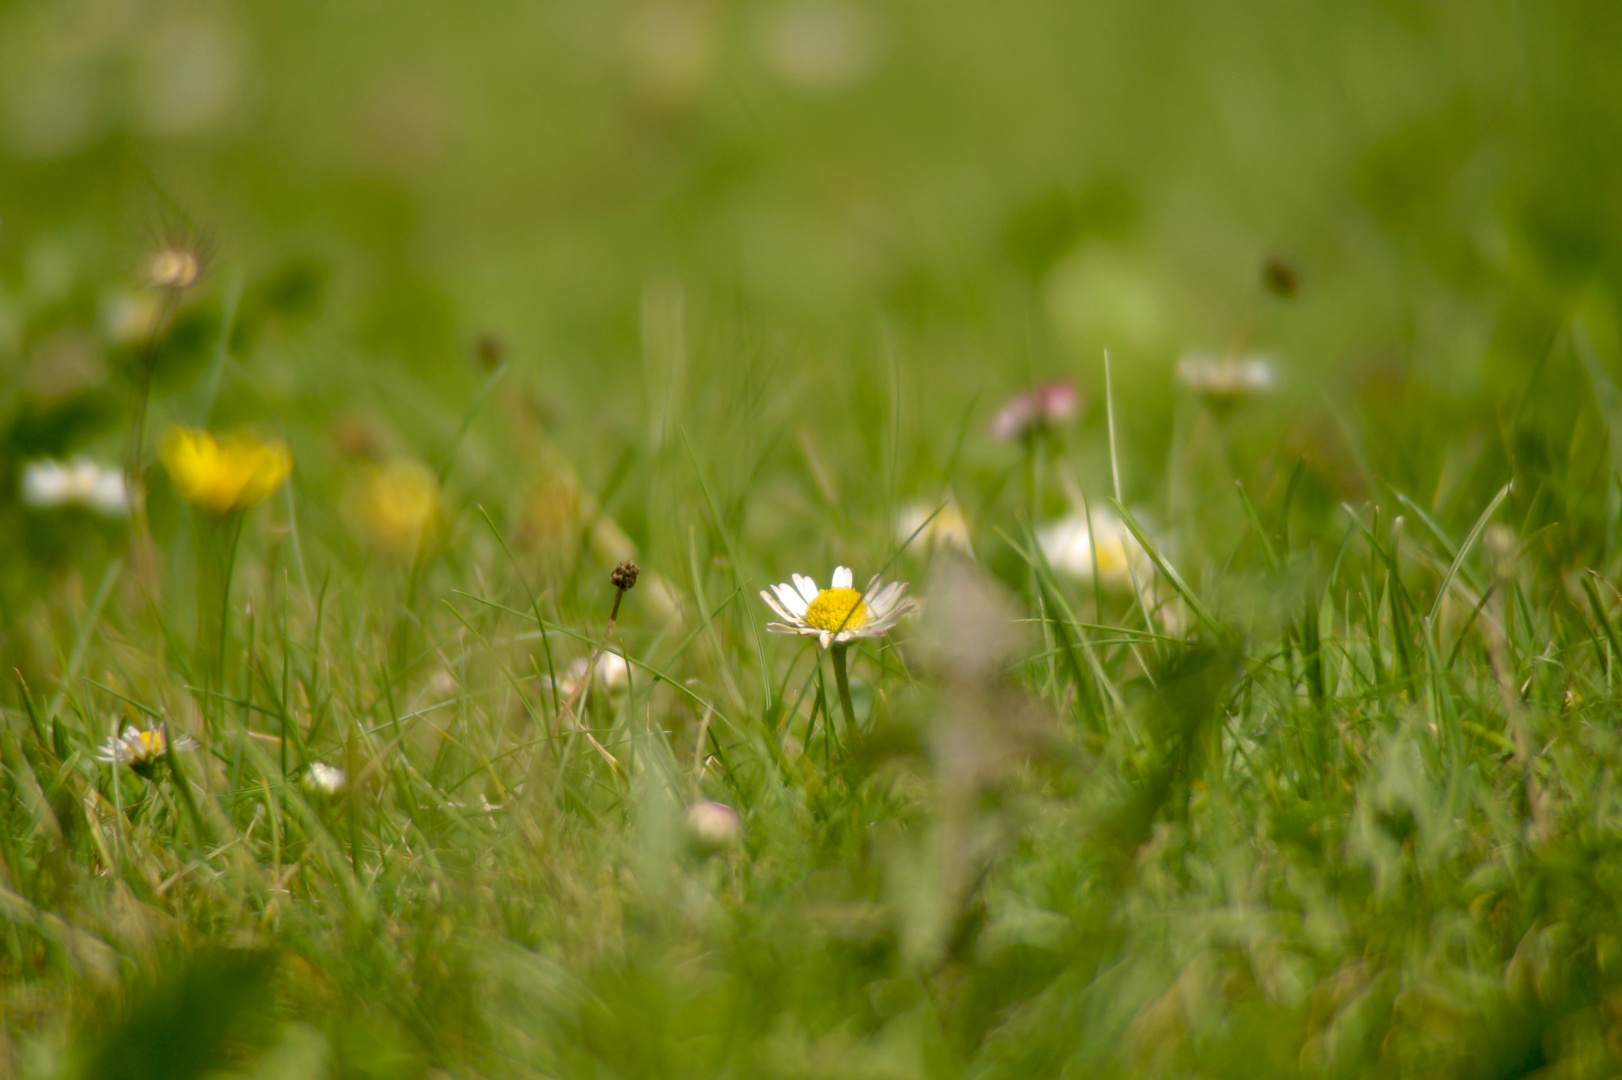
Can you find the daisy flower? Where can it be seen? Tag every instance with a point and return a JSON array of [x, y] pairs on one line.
[[1041, 408], [144, 750], [325, 780], [935, 525], [838, 613], [47, 483], [1226, 380], [1071, 547], [612, 672]]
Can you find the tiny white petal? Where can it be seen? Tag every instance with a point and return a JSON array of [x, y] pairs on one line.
[[842, 577], [793, 602], [807, 587], [772, 603]]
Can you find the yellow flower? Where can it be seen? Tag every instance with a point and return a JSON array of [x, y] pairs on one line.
[[224, 474], [398, 506]]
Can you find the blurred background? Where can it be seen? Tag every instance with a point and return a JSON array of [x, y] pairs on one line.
[[1375, 192], [781, 225]]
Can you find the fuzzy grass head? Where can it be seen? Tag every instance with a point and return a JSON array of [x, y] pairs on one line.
[[226, 473]]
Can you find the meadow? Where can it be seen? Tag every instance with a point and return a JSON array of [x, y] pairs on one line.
[[415, 421]]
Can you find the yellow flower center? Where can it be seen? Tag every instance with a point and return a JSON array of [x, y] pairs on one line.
[[147, 744], [836, 609]]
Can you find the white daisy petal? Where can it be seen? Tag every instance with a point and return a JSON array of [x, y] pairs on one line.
[[791, 599], [774, 605], [885, 598], [842, 577], [807, 587]]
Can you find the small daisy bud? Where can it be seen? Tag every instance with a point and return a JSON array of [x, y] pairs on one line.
[[714, 824], [624, 576]]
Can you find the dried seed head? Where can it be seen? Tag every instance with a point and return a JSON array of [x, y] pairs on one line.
[[1280, 278], [624, 576], [490, 350]]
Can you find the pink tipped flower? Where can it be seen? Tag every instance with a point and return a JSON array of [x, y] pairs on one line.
[[1046, 406]]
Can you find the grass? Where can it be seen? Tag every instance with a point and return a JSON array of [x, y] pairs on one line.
[[1326, 783]]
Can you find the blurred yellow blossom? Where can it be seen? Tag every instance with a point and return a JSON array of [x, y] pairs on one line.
[[222, 474], [397, 506]]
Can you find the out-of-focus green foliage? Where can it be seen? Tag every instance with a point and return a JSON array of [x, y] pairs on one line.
[[1324, 783]]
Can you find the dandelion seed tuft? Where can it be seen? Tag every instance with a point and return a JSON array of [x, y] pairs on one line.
[[173, 268]]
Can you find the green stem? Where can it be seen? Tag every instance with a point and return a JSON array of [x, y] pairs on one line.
[[842, 679], [216, 560]]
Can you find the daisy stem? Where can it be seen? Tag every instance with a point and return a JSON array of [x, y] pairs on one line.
[[842, 679]]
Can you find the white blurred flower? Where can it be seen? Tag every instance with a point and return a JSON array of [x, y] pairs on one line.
[[187, 74], [47, 483], [714, 824], [129, 318], [1226, 379], [325, 780], [820, 46], [175, 267], [613, 674], [1071, 548], [922, 525], [673, 47]]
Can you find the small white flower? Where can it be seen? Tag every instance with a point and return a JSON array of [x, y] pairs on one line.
[[838, 613], [922, 525], [714, 824], [1070, 547], [612, 672], [47, 483], [144, 750], [1228, 378], [325, 780]]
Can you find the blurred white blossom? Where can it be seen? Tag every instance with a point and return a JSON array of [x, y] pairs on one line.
[[48, 483], [820, 46], [325, 780], [714, 824], [930, 525], [1071, 547], [1226, 378]]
